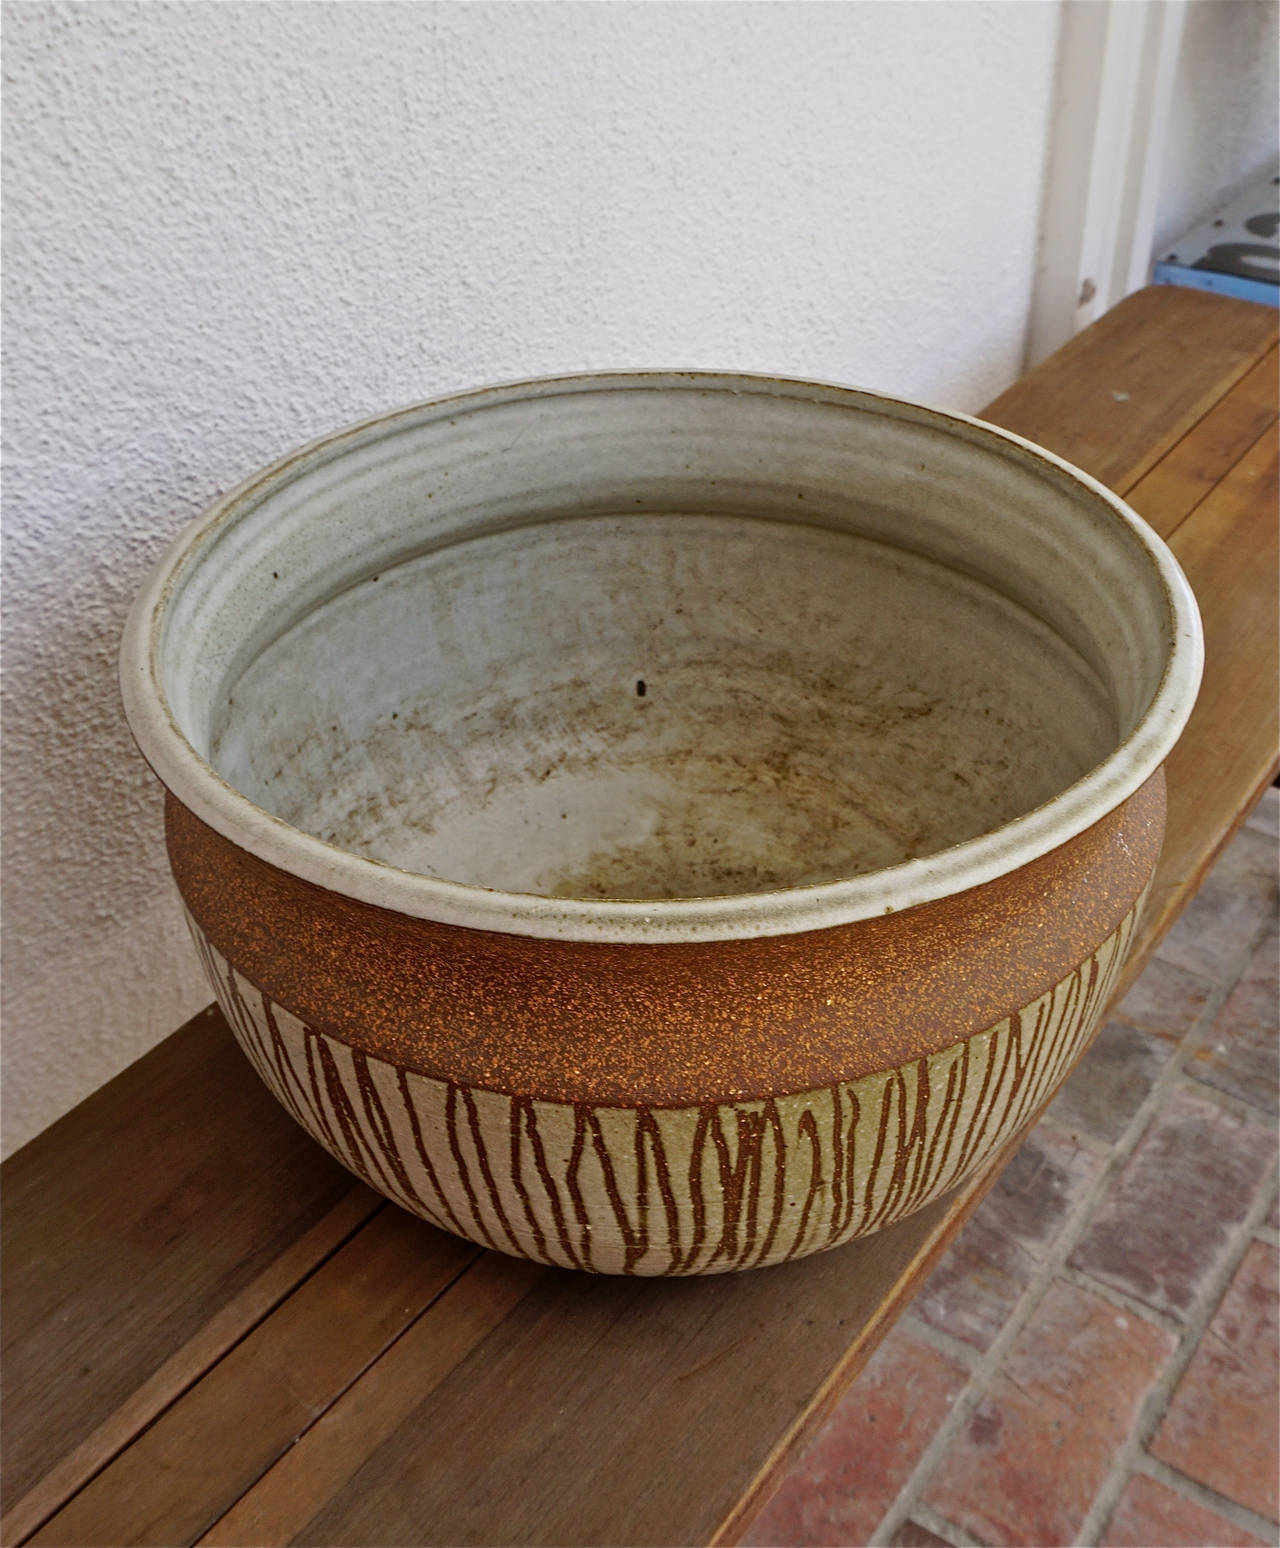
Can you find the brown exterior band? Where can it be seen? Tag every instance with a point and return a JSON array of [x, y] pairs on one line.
[[666, 1025]]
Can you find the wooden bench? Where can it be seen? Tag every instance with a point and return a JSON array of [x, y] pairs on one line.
[[212, 1333]]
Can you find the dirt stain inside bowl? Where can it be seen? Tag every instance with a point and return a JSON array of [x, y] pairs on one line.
[[661, 706]]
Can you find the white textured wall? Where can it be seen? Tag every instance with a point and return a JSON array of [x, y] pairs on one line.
[[231, 227], [1225, 119]]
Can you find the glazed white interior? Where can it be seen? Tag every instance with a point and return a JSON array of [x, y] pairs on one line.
[[866, 633], [659, 706]]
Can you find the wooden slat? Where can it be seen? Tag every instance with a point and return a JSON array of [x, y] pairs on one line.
[[525, 1404], [596, 1411], [1168, 494], [1122, 393], [1230, 751], [323, 1462], [143, 1232], [225, 1326], [202, 1453]]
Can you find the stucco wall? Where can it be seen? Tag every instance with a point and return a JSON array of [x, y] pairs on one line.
[[231, 227], [1225, 118]]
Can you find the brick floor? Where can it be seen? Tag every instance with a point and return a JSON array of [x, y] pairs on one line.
[[841, 1486], [1029, 1461], [1166, 1000], [1241, 1055], [1059, 1342], [1265, 817], [1230, 910], [1109, 1087], [1223, 1426], [1164, 1226], [912, 1535], [982, 1278], [1151, 1515]]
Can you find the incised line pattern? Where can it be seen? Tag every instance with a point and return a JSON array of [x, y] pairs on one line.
[[680, 1190]]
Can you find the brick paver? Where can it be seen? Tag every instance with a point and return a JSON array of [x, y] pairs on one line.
[[1223, 1425], [975, 1287], [844, 1482], [1266, 815], [1166, 1223], [1166, 1000], [1112, 1081], [1241, 1055], [912, 1535], [1234, 905], [1030, 1459], [1150, 1515]]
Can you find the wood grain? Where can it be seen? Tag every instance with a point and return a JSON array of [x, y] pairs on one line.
[[1230, 751], [196, 1341], [185, 1366], [1121, 394], [620, 1411], [323, 1462], [211, 1445], [1173, 488], [142, 1233]]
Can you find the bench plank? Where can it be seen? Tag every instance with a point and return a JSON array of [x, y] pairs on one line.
[[1170, 354], [607, 1410], [144, 1233], [213, 1443], [1168, 494]]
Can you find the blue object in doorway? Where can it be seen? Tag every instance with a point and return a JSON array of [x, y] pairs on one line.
[[1235, 253]]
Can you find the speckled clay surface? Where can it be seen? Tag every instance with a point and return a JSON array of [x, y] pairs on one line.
[[672, 1023], [631, 783], [697, 1189]]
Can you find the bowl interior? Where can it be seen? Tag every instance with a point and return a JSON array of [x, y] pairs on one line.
[[660, 640], [657, 706]]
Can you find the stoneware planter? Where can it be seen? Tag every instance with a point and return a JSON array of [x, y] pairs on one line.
[[663, 823]]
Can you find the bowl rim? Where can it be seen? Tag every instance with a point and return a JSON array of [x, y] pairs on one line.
[[784, 911]]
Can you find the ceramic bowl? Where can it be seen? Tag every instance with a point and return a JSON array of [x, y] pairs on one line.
[[663, 823]]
